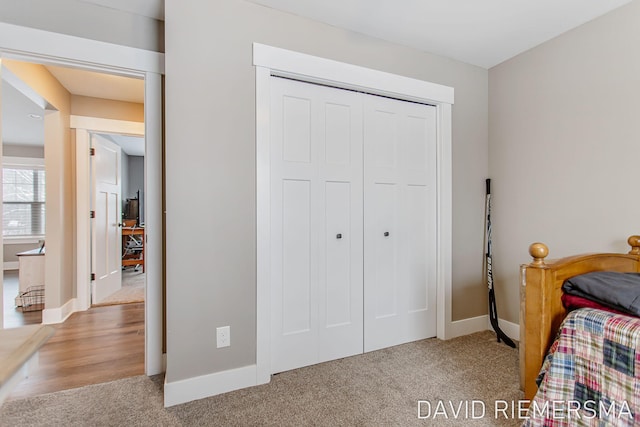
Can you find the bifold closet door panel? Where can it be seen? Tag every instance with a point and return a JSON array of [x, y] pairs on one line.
[[399, 222], [341, 253], [316, 224], [294, 215]]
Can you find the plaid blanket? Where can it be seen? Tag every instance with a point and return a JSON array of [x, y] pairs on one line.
[[591, 375]]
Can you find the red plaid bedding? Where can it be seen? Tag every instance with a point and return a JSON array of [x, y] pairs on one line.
[[591, 376]]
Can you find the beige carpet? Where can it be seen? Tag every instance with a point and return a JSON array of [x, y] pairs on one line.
[[132, 289], [380, 388]]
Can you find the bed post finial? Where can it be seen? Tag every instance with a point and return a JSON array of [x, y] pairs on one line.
[[538, 251], [634, 242]]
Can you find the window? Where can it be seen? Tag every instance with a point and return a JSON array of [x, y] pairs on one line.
[[23, 203]]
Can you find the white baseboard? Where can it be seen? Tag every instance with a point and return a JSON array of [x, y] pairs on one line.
[[58, 314], [482, 323], [10, 265], [511, 329], [183, 391], [468, 326]]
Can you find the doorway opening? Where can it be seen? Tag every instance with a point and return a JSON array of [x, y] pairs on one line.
[[29, 44], [66, 93], [124, 283]]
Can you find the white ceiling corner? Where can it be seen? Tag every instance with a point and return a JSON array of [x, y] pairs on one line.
[[131, 145], [484, 33], [99, 85]]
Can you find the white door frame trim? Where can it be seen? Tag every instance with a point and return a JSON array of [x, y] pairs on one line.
[[84, 127], [33, 45], [271, 61]]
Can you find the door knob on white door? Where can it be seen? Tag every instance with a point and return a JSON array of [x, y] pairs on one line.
[[386, 234], [338, 236]]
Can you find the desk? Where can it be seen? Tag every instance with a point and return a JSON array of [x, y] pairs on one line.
[[31, 269], [132, 258]]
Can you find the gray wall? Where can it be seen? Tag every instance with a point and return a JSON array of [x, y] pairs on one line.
[[85, 20], [132, 176], [124, 178], [136, 181], [32, 151], [564, 146], [10, 251], [210, 167]]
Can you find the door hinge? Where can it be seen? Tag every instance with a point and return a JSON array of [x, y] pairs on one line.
[[92, 151], [93, 276], [92, 214]]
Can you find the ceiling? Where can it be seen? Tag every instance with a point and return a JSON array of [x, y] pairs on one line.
[[484, 33], [17, 127], [20, 129], [132, 145], [99, 85]]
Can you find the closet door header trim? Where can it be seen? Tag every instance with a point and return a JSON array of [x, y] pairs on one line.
[[313, 69]]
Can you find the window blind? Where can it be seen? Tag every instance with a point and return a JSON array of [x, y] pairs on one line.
[[23, 201]]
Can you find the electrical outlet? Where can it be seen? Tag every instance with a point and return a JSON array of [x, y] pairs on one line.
[[223, 336]]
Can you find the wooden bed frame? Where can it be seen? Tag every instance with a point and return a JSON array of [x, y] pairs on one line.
[[541, 310]]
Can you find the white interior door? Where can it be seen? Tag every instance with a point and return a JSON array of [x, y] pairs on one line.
[[399, 221], [106, 226], [316, 224]]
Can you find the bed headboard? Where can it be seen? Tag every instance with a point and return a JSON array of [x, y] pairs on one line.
[[541, 310]]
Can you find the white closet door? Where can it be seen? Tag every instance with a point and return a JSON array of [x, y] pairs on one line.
[[316, 224], [399, 221]]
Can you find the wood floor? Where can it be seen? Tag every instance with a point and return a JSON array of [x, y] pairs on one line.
[[98, 345], [14, 316]]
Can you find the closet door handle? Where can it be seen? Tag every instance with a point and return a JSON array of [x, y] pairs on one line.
[[338, 236], [386, 234]]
